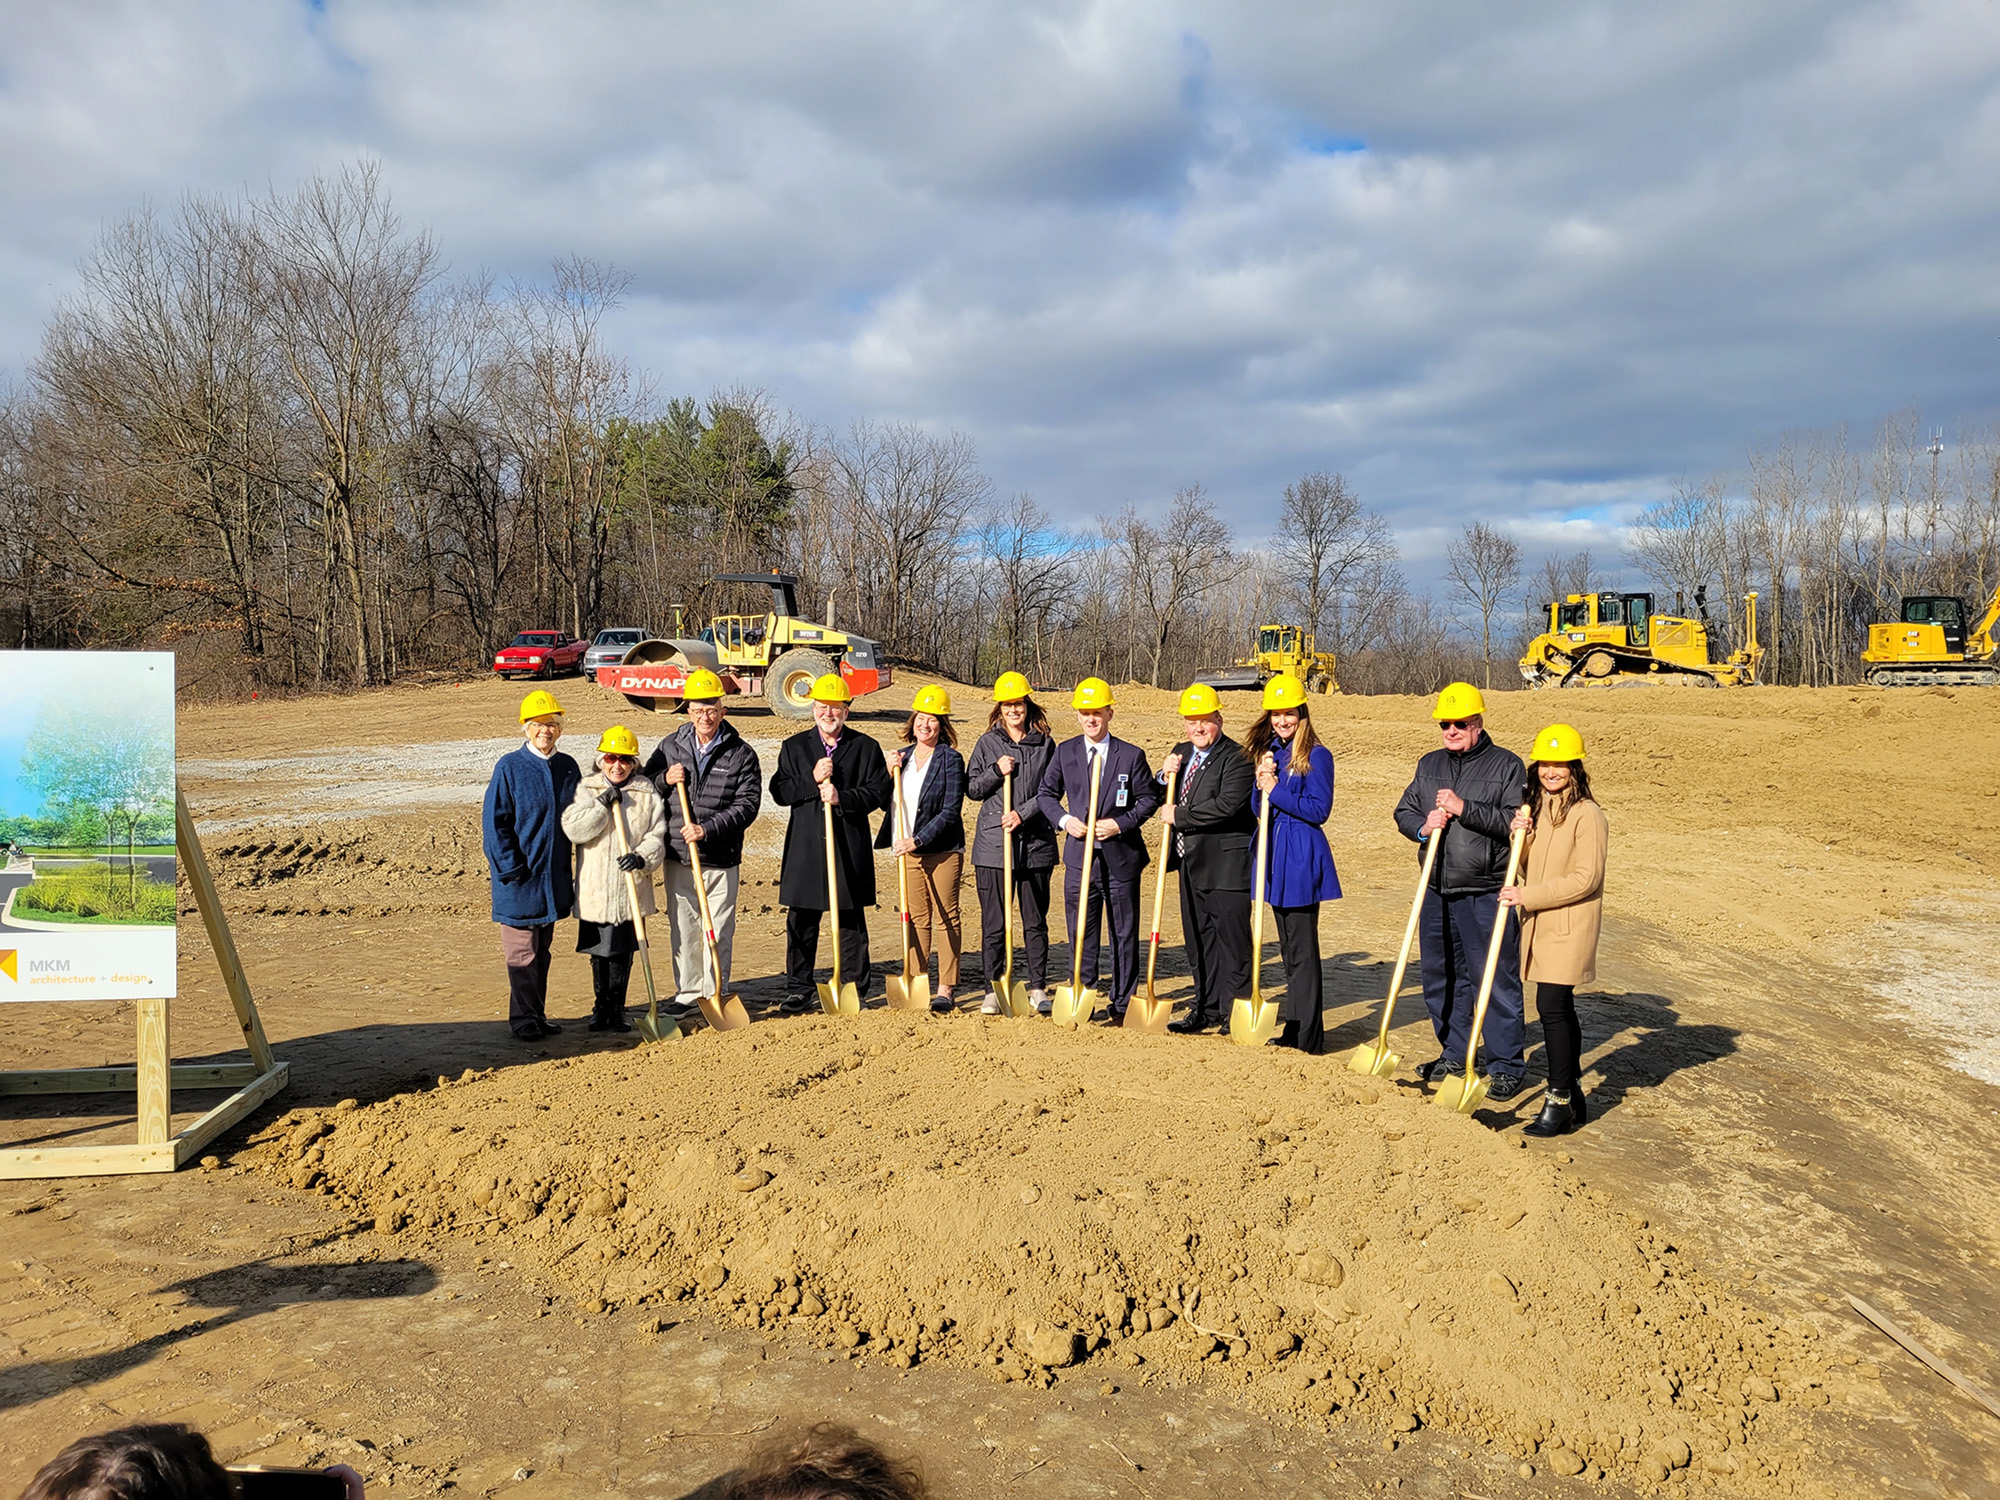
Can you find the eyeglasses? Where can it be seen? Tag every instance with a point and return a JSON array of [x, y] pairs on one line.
[[628, 760], [1454, 723]]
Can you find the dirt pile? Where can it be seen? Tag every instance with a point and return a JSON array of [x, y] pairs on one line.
[[1097, 1205]]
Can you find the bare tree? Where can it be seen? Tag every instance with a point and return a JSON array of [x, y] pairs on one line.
[[1340, 557], [1032, 567], [1485, 565], [1169, 567]]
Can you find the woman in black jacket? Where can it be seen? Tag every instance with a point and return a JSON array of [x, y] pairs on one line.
[[932, 834], [1017, 745]]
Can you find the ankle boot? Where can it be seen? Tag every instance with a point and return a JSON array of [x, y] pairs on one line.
[[1558, 1117]]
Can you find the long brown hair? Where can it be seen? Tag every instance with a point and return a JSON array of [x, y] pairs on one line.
[[1262, 737], [1037, 722], [1560, 802], [946, 734]]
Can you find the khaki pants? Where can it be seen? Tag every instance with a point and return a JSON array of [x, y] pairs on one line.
[[933, 882], [690, 949]]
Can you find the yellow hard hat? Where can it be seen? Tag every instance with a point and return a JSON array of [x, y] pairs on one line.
[[1199, 701], [832, 688], [1284, 691], [1092, 692], [1557, 742], [1010, 688], [618, 740], [539, 705], [701, 685], [931, 700], [1459, 700]]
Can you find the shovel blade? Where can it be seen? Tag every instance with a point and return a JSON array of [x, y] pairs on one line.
[[1455, 1093], [1252, 1023], [1375, 1059], [654, 1027], [1148, 1015], [725, 1013], [1014, 999], [908, 992], [1071, 1007], [846, 1001]]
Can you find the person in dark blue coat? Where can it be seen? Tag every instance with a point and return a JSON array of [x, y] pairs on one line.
[[1296, 772], [529, 858]]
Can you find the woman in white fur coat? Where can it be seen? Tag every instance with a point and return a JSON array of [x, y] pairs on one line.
[[604, 927]]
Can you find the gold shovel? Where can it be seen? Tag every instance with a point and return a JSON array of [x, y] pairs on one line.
[[723, 1012], [1150, 1013], [1464, 1094], [1254, 1021], [1378, 1059], [835, 998], [1013, 992], [1072, 1004], [910, 990], [650, 1025]]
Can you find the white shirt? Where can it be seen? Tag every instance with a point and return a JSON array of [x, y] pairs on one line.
[[913, 787]]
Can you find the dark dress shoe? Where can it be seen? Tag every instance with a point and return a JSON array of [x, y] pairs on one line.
[[1556, 1118], [1188, 1026], [598, 1023], [617, 1023], [549, 1028], [527, 1036]]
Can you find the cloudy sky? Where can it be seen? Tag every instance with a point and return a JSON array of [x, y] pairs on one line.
[[1522, 263]]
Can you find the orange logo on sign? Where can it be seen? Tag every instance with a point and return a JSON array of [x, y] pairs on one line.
[[7, 962]]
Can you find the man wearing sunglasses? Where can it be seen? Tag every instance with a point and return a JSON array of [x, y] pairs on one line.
[[1466, 792]]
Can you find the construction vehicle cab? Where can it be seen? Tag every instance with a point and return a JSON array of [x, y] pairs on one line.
[[1613, 639], [1932, 645], [776, 655]]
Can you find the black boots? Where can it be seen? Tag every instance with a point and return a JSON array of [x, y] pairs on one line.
[[1559, 1116], [608, 977]]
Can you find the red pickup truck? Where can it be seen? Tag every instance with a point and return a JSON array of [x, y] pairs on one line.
[[540, 653]]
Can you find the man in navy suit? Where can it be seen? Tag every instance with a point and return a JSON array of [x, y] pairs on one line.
[[1127, 795]]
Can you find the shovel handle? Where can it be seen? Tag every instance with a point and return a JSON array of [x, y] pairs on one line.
[[632, 896], [1409, 936], [1083, 889], [1160, 885], [1257, 900], [832, 887], [701, 894], [1501, 917], [1007, 881]]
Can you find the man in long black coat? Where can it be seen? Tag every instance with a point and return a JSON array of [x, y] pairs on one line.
[[822, 762], [1126, 796], [1210, 846]]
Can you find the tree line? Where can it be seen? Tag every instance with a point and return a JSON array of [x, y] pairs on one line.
[[276, 435]]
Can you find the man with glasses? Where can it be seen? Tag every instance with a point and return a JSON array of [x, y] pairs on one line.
[[724, 782], [1467, 793], [529, 857]]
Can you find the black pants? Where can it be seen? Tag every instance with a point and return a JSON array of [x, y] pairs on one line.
[[527, 953], [1303, 1008], [1562, 1035], [802, 950], [1121, 899], [1031, 889], [608, 979], [1215, 932]]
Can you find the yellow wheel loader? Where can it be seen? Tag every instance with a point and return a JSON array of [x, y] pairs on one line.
[[1280, 648], [1615, 640], [775, 655], [1929, 647]]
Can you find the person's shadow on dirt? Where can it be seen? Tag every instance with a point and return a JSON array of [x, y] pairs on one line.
[[238, 1292]]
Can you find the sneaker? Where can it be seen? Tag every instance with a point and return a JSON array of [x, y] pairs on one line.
[[1438, 1069], [798, 1005], [1503, 1085], [990, 1006], [1040, 1000]]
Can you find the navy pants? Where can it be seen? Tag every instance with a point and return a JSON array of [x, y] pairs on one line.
[[1121, 899], [1454, 932]]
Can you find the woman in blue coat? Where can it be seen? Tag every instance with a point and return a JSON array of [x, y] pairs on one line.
[[1296, 772]]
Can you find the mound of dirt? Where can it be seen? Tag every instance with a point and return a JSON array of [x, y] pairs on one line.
[[1050, 1206]]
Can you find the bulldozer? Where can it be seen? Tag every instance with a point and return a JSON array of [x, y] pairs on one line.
[[1615, 640], [1280, 648], [1929, 647], [775, 655]]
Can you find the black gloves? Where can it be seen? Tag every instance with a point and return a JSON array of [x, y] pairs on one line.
[[607, 797], [631, 862]]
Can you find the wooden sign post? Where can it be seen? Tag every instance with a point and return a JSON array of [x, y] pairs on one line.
[[156, 1075]]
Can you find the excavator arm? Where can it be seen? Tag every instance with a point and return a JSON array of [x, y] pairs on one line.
[[1979, 644]]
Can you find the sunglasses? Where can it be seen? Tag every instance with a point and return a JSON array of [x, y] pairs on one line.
[[1454, 723], [630, 760]]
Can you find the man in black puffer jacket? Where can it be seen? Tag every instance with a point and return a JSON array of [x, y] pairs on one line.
[[1467, 794], [725, 790]]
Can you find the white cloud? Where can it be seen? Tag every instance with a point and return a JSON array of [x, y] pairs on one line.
[[1493, 262]]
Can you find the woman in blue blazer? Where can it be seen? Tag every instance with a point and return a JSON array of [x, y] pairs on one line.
[[933, 834], [1296, 772]]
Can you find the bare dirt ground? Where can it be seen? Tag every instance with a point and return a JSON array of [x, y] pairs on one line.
[[590, 1268]]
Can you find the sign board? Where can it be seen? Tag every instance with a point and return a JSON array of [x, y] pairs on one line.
[[87, 837]]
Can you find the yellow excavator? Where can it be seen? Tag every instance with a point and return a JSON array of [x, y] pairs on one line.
[[1615, 640], [1280, 648], [1929, 646]]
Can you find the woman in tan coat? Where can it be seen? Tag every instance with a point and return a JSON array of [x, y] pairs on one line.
[[605, 928], [1561, 897]]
